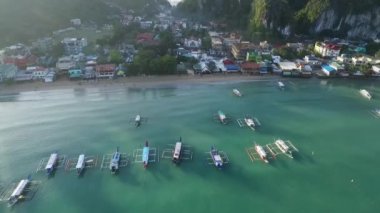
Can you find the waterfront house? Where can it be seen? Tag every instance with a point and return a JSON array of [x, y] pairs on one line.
[[312, 60], [344, 58], [38, 72], [75, 73], [89, 72], [289, 68], [50, 76], [328, 70], [7, 72], [65, 63], [24, 75], [105, 70], [250, 67]]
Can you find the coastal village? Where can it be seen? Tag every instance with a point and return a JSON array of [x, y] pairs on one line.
[[193, 49]]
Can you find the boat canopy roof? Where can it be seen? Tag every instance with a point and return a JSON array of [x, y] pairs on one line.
[[145, 154], [177, 149], [217, 158], [80, 163], [20, 188], [52, 160]]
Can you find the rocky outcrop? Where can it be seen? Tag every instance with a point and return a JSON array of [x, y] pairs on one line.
[[364, 25]]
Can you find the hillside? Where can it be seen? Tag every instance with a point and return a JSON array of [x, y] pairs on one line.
[[23, 20], [337, 17]]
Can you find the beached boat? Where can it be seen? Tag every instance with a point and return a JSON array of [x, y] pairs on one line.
[[281, 145], [262, 153], [237, 92], [216, 158], [145, 155], [281, 85], [138, 120], [52, 163], [114, 163], [365, 94], [17, 193], [177, 152], [222, 117], [81, 164]]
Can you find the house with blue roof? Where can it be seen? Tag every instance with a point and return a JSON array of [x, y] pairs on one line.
[[328, 70]]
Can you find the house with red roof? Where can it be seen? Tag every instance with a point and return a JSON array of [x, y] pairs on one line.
[[105, 70], [327, 49]]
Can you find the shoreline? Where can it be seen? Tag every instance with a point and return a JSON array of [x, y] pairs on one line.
[[133, 81]]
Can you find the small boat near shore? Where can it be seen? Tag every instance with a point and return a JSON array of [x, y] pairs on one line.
[[281, 85], [114, 163], [237, 92], [145, 154], [216, 158], [262, 153], [365, 94]]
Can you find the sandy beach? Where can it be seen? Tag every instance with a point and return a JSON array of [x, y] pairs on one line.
[[134, 81]]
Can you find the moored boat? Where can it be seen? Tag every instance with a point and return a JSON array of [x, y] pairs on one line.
[[17, 193], [145, 155], [237, 92], [365, 94], [81, 164], [281, 85], [216, 158], [222, 117], [114, 163], [281, 145], [249, 122], [177, 152], [138, 120], [262, 153], [52, 163]]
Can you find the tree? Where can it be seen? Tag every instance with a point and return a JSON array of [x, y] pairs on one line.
[[166, 42], [206, 43], [116, 57], [57, 50]]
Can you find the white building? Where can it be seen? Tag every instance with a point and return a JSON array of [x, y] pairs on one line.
[[326, 49], [312, 60], [74, 46], [288, 66], [65, 63], [193, 43], [76, 22], [38, 72]]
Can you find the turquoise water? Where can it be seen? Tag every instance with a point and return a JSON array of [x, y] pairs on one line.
[[329, 122]]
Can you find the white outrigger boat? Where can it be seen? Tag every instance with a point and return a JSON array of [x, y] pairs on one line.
[[222, 117], [376, 113], [145, 155], [51, 164], [262, 153], [138, 120], [281, 145], [250, 122], [216, 158], [365, 94], [177, 152], [281, 85], [237, 92], [81, 164], [17, 193], [114, 163]]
